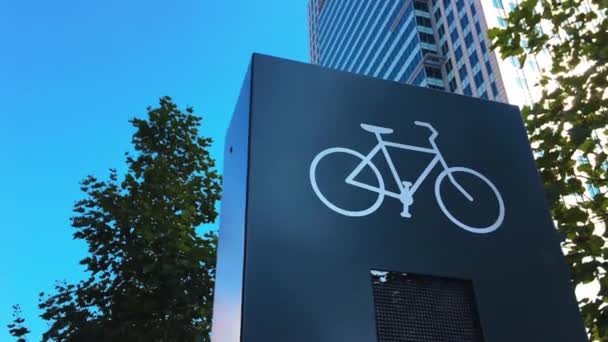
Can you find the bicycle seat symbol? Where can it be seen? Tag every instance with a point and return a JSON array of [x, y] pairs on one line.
[[407, 189]]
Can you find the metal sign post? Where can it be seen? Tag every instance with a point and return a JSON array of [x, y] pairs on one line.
[[356, 209]]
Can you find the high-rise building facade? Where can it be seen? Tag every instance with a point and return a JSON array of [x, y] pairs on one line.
[[440, 44]]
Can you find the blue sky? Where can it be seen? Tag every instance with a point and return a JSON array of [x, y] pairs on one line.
[[72, 73]]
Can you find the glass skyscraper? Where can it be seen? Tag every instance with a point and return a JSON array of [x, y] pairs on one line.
[[440, 44]]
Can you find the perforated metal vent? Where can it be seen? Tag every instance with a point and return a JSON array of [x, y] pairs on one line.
[[417, 308]]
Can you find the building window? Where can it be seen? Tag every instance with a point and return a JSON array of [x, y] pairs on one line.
[[473, 59], [459, 63], [459, 4], [482, 44], [488, 67], [421, 6], [464, 21], [422, 21], [453, 86], [454, 35], [427, 38], [468, 39], [437, 15], [478, 79], [473, 9], [450, 18], [467, 91], [444, 48], [433, 72], [463, 73], [498, 4], [494, 89], [484, 95], [458, 53], [448, 66], [478, 27], [441, 30], [384, 66], [419, 78]]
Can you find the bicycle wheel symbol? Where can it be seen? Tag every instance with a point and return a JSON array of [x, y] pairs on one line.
[[346, 212], [501, 205]]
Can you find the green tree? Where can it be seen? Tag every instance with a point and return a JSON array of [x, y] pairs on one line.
[[568, 127], [150, 275], [17, 327]]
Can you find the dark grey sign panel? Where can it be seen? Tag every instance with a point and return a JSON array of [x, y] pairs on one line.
[[352, 205]]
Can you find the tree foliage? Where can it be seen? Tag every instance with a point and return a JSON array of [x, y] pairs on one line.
[[568, 127], [17, 327], [150, 275]]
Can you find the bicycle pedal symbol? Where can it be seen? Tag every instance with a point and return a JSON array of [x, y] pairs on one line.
[[407, 189]]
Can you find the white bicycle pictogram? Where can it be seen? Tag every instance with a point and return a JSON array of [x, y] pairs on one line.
[[407, 189]]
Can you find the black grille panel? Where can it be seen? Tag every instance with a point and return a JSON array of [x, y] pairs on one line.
[[417, 308]]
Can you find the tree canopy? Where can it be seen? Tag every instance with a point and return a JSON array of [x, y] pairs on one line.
[[568, 127], [150, 274], [17, 327]]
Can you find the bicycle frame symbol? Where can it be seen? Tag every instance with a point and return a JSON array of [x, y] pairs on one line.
[[407, 189]]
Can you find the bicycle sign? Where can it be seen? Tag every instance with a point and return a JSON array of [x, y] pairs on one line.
[[407, 189]]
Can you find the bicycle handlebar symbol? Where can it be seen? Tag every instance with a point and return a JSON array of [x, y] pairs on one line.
[[407, 189]]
